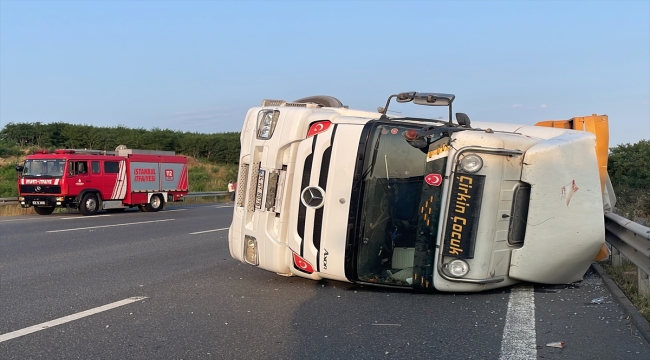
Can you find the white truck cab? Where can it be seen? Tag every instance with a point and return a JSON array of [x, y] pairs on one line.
[[325, 191]]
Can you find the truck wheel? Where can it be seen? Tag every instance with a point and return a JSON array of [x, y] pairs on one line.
[[155, 204], [322, 100], [42, 210], [89, 204]]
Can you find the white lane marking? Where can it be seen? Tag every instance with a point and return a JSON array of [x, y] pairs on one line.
[[519, 337], [222, 207], [83, 217], [65, 319], [15, 220], [207, 231], [175, 210], [105, 226]]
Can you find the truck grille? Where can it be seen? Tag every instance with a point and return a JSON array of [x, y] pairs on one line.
[[42, 189], [323, 171], [252, 187], [242, 185]]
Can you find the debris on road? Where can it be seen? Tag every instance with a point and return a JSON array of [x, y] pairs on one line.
[[559, 344], [599, 300]]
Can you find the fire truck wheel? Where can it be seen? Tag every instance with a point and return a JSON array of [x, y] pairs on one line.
[[42, 210], [155, 204], [89, 204]]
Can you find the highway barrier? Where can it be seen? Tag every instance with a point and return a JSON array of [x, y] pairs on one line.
[[631, 240]]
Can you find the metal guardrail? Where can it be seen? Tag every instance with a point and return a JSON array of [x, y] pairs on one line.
[[194, 195], [8, 201], [631, 240]]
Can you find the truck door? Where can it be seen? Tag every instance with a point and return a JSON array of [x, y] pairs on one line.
[[114, 182], [79, 178]]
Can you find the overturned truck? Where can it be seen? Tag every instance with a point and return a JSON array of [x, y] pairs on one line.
[[327, 192]]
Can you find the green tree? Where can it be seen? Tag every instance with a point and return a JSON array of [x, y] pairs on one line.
[[629, 165]]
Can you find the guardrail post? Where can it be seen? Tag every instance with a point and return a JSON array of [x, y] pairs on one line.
[[616, 257], [643, 282]]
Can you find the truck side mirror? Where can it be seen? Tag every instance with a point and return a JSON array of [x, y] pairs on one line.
[[19, 168], [463, 120]]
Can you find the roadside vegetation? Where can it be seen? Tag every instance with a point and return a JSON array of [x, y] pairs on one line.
[[629, 170], [625, 277]]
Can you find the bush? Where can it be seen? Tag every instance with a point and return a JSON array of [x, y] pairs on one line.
[[629, 170], [8, 180], [199, 178], [8, 151]]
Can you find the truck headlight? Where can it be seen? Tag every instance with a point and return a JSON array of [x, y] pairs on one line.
[[471, 163], [266, 121], [457, 268], [250, 250]]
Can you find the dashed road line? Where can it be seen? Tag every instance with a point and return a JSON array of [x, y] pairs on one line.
[[65, 319], [207, 231], [83, 217], [519, 338], [113, 225]]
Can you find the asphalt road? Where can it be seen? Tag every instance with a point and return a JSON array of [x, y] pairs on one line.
[[163, 286]]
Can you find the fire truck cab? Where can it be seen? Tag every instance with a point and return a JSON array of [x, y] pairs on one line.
[[91, 180]]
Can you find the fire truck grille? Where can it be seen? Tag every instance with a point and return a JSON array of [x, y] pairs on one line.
[[40, 189]]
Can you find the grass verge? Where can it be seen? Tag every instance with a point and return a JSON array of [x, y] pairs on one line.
[[15, 210], [625, 277]]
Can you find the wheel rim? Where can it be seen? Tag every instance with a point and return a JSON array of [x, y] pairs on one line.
[[91, 205], [155, 202]]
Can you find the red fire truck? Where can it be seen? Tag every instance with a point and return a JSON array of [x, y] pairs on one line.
[[91, 180]]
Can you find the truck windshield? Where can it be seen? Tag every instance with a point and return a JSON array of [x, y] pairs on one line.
[[397, 204], [44, 168]]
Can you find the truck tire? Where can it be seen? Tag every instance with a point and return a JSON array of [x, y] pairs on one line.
[[323, 100], [155, 204], [89, 204], [44, 210]]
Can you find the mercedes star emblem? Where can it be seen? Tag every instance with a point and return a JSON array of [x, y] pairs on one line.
[[38, 188], [312, 197]]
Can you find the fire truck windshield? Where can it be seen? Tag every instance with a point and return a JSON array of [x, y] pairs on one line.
[[52, 168], [394, 191]]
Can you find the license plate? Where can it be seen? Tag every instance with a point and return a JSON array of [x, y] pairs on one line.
[[38, 202], [260, 189], [271, 190]]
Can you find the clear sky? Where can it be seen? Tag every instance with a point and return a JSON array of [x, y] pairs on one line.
[[199, 65]]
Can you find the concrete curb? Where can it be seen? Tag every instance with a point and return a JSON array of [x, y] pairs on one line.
[[637, 319]]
